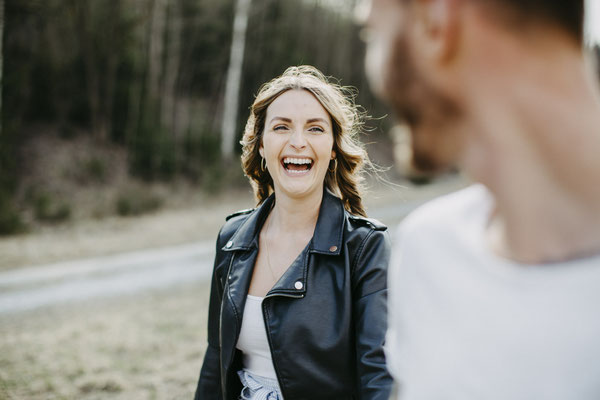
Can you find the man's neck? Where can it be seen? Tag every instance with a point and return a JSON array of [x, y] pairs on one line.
[[536, 148]]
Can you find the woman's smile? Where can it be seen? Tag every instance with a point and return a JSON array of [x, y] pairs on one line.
[[297, 166]]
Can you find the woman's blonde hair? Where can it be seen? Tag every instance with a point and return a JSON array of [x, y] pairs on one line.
[[346, 179]]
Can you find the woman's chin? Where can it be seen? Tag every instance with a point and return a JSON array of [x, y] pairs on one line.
[[298, 190]]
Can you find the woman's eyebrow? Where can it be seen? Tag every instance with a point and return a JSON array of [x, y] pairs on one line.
[[282, 119], [310, 121]]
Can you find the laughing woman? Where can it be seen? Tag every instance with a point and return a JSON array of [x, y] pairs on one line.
[[298, 297]]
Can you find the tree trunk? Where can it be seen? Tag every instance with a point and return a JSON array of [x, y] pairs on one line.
[[114, 12], [157, 32], [171, 74], [1, 59], [91, 69], [234, 75]]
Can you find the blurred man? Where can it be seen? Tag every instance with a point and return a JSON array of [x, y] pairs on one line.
[[494, 290]]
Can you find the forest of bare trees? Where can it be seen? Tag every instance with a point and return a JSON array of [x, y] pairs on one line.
[[151, 76]]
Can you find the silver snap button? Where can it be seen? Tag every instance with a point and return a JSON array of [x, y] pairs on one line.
[[229, 244], [230, 277], [333, 248], [298, 285]]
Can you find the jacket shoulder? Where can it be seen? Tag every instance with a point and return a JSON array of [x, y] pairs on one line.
[[231, 225], [371, 223], [240, 212], [369, 248]]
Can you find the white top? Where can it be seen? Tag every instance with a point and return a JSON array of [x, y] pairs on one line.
[[467, 324], [253, 340]]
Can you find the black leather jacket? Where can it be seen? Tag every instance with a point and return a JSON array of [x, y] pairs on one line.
[[325, 318]]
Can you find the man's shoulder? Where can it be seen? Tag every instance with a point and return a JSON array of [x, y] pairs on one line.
[[452, 209]]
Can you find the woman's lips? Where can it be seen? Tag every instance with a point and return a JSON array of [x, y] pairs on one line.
[[297, 165]]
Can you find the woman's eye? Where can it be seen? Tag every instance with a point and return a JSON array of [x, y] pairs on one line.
[[280, 128], [317, 129]]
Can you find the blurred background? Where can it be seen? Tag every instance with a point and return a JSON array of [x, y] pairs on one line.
[[119, 160], [123, 93]]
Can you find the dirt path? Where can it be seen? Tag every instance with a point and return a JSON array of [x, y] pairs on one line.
[[28, 288], [197, 221], [111, 276]]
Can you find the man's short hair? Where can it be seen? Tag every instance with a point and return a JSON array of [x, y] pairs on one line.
[[564, 14]]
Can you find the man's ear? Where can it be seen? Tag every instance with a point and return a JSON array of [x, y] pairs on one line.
[[437, 27]]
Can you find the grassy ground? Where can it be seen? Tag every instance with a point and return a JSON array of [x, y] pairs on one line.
[[145, 347], [197, 220]]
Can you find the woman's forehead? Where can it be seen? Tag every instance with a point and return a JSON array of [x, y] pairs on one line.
[[297, 104]]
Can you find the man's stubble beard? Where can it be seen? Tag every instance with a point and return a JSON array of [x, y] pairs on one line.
[[428, 113]]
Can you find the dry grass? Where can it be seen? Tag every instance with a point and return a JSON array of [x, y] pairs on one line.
[[91, 181], [90, 238], [147, 346], [143, 346]]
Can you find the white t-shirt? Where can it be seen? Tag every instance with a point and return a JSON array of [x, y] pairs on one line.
[[253, 340], [467, 324]]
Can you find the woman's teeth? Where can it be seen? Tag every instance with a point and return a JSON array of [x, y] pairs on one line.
[[289, 160], [297, 165]]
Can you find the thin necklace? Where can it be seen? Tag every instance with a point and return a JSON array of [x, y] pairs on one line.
[[268, 255]]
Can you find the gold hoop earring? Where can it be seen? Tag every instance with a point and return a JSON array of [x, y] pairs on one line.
[[334, 166], [263, 164]]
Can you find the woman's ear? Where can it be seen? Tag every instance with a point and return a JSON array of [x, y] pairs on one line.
[[261, 151], [333, 154]]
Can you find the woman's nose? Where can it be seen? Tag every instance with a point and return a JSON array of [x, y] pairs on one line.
[[298, 140]]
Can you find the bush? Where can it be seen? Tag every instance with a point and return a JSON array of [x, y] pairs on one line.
[[137, 202], [10, 219], [47, 210], [95, 169], [87, 171]]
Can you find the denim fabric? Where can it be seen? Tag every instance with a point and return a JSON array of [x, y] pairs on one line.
[[258, 387]]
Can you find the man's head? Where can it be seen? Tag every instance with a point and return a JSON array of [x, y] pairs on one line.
[[425, 58]]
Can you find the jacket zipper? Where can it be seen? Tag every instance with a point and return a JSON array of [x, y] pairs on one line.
[[292, 296], [298, 296], [221, 320]]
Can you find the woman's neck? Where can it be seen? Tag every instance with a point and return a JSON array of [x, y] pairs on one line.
[[294, 216]]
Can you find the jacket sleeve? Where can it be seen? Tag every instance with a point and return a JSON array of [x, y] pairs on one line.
[[209, 383], [370, 315]]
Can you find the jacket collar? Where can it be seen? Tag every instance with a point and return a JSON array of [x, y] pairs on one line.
[[327, 238]]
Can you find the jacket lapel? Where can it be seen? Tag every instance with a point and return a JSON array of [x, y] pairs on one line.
[[244, 245], [327, 239]]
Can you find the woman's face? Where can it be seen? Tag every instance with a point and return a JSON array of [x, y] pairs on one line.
[[297, 144]]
